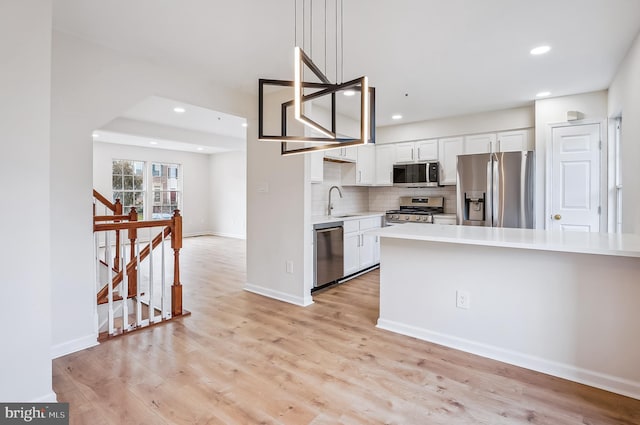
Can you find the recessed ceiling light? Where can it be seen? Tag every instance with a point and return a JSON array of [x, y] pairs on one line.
[[95, 135], [244, 124], [179, 110], [543, 94], [200, 149], [153, 143], [540, 50], [396, 117], [349, 92]]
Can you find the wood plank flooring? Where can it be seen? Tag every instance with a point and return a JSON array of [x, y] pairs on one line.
[[244, 359]]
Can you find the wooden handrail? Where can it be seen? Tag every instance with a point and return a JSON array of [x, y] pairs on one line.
[[97, 218], [104, 227], [107, 203]]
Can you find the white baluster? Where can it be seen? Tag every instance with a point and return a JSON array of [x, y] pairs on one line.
[[139, 286], [152, 312], [107, 247], [125, 284], [163, 301]]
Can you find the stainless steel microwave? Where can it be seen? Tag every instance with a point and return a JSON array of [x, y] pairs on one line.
[[423, 174]]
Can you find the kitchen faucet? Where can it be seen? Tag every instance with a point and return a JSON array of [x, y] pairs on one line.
[[330, 206]]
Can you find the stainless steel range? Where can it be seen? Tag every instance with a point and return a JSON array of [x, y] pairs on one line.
[[418, 209]]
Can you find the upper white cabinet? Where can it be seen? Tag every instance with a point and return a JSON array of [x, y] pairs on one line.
[[449, 148], [317, 166], [427, 150], [480, 143], [405, 152], [424, 150], [385, 157], [343, 154], [363, 172], [518, 140]]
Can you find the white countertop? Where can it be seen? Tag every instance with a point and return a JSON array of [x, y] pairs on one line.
[[626, 245], [316, 219]]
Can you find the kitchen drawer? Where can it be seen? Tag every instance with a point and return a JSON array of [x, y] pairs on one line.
[[370, 223], [350, 226]]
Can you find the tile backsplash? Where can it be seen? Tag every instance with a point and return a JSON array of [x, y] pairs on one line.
[[359, 199], [388, 198], [354, 198]]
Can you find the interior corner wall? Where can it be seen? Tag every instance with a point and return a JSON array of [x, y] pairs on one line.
[[554, 111], [195, 187], [276, 207], [624, 99], [91, 85], [228, 194], [25, 293]]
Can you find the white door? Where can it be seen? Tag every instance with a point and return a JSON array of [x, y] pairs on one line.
[[575, 178]]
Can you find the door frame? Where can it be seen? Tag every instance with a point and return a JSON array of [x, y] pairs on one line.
[[604, 148]]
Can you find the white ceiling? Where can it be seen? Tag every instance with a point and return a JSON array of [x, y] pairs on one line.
[[451, 57]]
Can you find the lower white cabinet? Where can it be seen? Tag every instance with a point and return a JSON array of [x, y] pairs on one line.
[[360, 249]]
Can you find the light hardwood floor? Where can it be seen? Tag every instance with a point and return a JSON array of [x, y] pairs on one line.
[[244, 359]]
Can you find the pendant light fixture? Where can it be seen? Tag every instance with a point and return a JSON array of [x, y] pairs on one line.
[[306, 114]]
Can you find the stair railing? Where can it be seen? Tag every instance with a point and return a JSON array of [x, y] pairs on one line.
[[124, 271]]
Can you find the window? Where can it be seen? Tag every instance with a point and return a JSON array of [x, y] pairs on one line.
[[166, 190], [127, 181]]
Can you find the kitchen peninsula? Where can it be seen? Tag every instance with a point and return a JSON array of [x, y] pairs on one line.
[[562, 303]]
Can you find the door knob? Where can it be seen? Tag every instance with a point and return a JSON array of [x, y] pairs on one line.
[[557, 217]]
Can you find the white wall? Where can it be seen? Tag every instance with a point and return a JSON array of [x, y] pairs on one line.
[[554, 111], [25, 286], [278, 220], [484, 122], [569, 315], [228, 194], [195, 179], [91, 85], [624, 98]]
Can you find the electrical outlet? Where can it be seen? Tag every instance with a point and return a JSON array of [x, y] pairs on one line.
[[463, 299], [289, 266]]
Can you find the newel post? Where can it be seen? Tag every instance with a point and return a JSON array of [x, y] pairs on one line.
[[176, 245], [133, 235]]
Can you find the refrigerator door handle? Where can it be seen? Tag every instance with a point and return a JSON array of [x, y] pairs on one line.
[[495, 211], [488, 202]]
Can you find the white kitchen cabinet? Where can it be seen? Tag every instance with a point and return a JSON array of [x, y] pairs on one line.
[[362, 172], [316, 162], [342, 154], [424, 150], [385, 158], [427, 150], [480, 143], [360, 249], [513, 141], [449, 148], [405, 152]]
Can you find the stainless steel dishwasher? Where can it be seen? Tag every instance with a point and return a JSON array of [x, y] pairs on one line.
[[328, 250]]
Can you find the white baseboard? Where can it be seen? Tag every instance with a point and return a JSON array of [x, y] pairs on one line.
[[212, 233], [229, 235], [74, 345], [567, 371], [47, 398], [280, 296]]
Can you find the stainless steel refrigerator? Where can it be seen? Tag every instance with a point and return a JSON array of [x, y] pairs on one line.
[[495, 189]]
